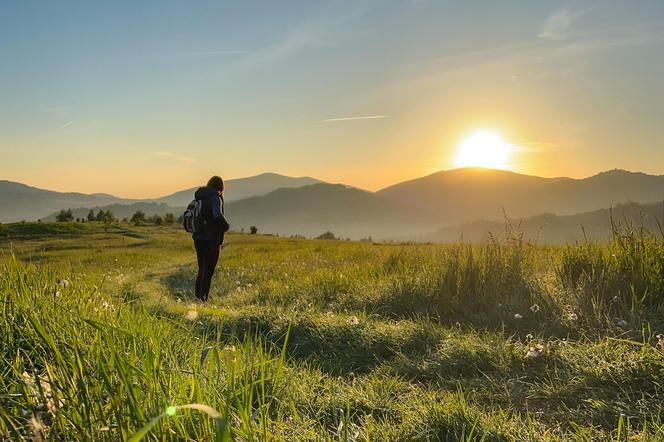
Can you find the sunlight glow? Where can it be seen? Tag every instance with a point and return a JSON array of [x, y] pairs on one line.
[[484, 149]]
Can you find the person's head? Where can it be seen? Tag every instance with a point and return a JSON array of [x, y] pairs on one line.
[[216, 183]]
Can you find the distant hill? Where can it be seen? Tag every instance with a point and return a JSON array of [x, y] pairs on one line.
[[21, 202], [312, 210], [408, 210], [241, 188], [554, 229], [462, 195]]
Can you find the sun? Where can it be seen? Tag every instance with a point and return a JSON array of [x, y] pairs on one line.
[[484, 148]]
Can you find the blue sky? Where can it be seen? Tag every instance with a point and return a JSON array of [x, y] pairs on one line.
[[144, 98]]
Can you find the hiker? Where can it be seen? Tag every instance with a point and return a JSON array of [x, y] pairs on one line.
[[209, 235]]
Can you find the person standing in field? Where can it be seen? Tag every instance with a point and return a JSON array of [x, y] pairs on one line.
[[209, 237]]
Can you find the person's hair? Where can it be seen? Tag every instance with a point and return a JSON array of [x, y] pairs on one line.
[[216, 183]]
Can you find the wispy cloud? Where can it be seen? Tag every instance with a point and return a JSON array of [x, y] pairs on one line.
[[67, 124], [174, 156], [210, 53], [367, 117], [618, 37], [55, 110], [556, 25]]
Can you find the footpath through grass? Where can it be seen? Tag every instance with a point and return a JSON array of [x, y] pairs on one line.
[[328, 340]]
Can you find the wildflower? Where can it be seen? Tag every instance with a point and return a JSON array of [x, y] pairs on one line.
[[621, 323], [517, 316], [660, 341], [353, 320], [105, 305], [535, 352], [571, 316], [64, 283], [230, 348], [529, 337], [615, 299], [37, 429], [50, 405], [191, 315], [534, 308]]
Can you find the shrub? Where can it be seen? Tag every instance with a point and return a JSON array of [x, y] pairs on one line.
[[326, 235], [64, 215], [138, 218]]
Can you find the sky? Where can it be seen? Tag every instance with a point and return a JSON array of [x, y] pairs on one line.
[[141, 99]]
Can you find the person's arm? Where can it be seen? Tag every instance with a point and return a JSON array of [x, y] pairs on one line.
[[217, 213]]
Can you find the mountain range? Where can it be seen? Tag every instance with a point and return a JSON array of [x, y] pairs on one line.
[[447, 203]]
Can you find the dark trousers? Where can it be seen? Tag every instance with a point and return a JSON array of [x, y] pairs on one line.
[[207, 253]]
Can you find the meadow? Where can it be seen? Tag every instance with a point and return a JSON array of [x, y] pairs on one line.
[[102, 338]]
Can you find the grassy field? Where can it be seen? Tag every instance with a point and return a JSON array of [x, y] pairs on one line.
[[328, 340]]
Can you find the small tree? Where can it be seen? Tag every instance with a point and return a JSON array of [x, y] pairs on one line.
[[169, 218], [327, 235], [100, 215], [64, 215], [138, 217], [91, 215], [156, 219], [253, 230], [108, 217]]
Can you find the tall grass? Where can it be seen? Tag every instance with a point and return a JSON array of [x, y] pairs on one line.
[[76, 362], [617, 279], [326, 340]]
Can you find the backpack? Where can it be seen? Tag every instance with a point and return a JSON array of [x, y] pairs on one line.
[[192, 221]]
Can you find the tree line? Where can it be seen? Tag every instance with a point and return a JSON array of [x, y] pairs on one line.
[[107, 217]]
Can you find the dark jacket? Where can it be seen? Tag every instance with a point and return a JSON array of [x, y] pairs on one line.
[[212, 213]]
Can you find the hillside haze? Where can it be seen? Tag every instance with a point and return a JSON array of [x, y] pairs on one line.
[[311, 210], [440, 206], [241, 188], [23, 202], [462, 195]]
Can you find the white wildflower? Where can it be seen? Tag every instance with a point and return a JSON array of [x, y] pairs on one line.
[[191, 315], [31, 382], [535, 352], [353, 320], [534, 308], [37, 429], [64, 283], [230, 348], [572, 316], [517, 316], [529, 337]]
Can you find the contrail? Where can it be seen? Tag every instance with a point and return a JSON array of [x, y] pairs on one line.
[[370, 117]]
